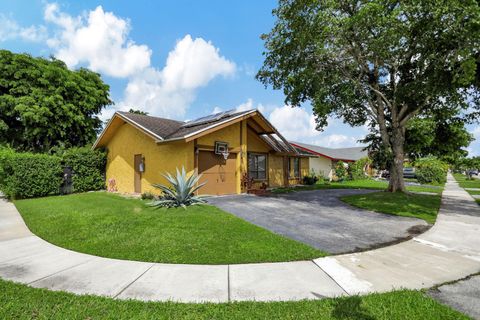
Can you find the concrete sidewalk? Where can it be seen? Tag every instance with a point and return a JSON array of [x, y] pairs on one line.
[[447, 252]]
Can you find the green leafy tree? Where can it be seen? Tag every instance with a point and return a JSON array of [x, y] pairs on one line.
[[43, 104], [440, 135], [340, 170], [381, 62], [143, 113]]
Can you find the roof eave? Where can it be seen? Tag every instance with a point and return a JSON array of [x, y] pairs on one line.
[[153, 135]]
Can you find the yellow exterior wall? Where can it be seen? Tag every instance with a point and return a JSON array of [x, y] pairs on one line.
[[231, 135], [255, 143], [128, 141], [304, 170], [304, 167], [242, 160], [275, 170]]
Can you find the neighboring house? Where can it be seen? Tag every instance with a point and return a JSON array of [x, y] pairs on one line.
[[225, 148], [323, 160]]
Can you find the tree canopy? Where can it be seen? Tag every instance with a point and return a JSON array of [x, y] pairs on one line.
[[381, 62], [140, 112], [443, 136], [43, 104]]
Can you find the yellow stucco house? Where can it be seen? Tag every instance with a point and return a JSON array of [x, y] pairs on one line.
[[227, 148]]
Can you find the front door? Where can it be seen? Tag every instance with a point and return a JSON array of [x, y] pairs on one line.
[[137, 174], [218, 173]]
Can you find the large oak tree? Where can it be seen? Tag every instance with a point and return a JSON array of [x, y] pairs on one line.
[[44, 105], [379, 62]]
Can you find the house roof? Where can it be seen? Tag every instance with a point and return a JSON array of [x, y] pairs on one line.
[[345, 154], [277, 144], [164, 130], [159, 126], [167, 129]]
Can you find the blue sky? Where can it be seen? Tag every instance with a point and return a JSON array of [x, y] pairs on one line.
[[176, 59]]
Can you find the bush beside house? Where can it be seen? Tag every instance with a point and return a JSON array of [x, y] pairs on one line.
[[356, 170], [88, 168], [340, 170], [29, 175], [310, 179]]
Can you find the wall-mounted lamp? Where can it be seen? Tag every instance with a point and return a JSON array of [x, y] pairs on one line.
[[141, 165]]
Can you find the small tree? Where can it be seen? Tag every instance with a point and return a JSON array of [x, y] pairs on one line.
[[340, 170], [357, 169], [381, 62]]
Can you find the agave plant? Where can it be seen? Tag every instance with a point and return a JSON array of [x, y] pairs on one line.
[[181, 193]]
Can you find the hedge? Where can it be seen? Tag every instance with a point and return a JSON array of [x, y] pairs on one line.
[[88, 168], [27, 175], [428, 170]]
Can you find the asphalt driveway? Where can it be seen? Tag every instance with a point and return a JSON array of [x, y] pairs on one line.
[[321, 220]]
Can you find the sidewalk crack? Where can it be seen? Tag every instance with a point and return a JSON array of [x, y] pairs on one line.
[[338, 284], [134, 280]]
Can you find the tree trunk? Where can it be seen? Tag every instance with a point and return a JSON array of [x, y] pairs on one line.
[[397, 183]]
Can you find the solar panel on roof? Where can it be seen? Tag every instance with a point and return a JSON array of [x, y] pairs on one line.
[[207, 119]]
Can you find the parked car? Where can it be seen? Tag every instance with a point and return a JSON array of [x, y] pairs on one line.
[[384, 174], [409, 172], [473, 172]]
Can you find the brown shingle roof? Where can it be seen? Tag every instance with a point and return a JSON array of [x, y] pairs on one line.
[[167, 129], [159, 126]]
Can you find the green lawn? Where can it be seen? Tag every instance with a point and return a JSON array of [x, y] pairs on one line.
[[112, 226], [21, 302], [464, 183], [407, 205], [359, 184]]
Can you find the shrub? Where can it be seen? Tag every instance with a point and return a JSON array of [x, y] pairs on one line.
[[88, 168], [311, 178], [147, 196], [340, 170], [182, 191], [27, 175], [357, 169], [430, 170]]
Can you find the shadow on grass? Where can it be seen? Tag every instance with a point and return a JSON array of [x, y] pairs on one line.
[[350, 308]]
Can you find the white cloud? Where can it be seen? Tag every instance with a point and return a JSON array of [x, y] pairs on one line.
[[192, 64], [99, 39], [217, 110], [299, 125], [11, 30], [249, 105], [245, 106]]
